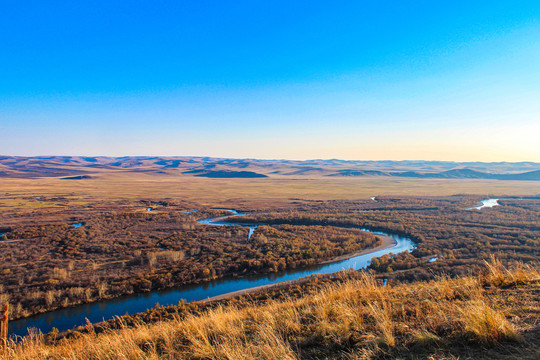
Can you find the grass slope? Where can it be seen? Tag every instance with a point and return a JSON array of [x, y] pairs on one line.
[[488, 316]]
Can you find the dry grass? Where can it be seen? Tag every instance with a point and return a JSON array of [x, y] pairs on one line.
[[487, 324], [498, 275], [272, 191], [357, 319]]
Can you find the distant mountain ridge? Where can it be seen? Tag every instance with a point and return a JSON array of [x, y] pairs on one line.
[[81, 167], [472, 174], [450, 174]]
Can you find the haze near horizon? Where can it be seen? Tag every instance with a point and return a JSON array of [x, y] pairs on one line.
[[304, 80]]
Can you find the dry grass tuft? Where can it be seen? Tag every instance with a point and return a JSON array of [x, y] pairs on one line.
[[425, 339], [486, 324], [497, 274]]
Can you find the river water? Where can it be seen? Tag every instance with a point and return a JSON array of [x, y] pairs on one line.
[[67, 318], [487, 203]]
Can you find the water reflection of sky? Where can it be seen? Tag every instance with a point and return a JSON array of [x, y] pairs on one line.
[[487, 203]]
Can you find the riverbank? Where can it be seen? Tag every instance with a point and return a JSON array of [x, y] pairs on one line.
[[387, 242]]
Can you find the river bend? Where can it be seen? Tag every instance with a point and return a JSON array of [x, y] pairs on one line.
[[68, 318]]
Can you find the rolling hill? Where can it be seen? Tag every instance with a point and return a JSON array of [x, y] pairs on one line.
[[82, 167]]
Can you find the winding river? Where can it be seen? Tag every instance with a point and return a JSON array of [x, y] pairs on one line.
[[67, 318]]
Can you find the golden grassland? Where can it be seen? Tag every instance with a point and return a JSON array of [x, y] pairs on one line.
[[272, 191], [487, 316]]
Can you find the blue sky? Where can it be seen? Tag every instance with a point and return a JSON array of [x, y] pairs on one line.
[[445, 80]]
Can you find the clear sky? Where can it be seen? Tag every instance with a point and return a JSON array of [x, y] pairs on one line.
[[444, 80]]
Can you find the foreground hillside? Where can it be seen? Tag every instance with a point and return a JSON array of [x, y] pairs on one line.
[[488, 316]]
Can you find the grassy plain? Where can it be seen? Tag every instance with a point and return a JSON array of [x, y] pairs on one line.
[[250, 193]]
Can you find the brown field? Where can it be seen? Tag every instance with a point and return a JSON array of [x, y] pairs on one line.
[[130, 250], [250, 193]]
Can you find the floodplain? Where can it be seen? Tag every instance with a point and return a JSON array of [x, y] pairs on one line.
[[75, 240]]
